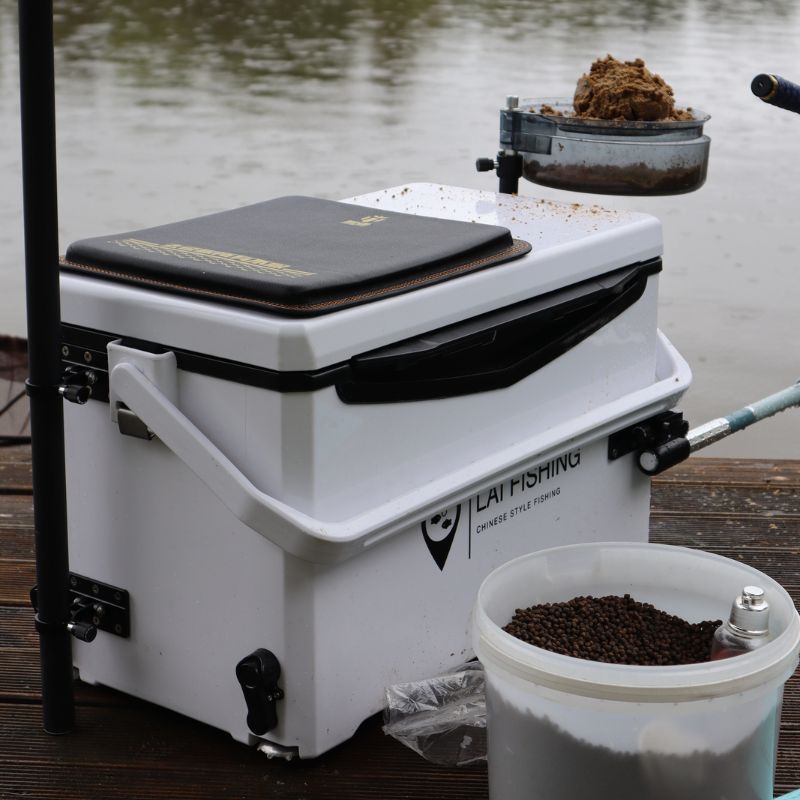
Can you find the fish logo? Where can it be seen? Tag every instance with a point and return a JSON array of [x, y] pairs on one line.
[[439, 532]]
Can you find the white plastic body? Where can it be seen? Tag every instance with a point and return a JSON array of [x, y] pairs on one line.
[[298, 523], [708, 709], [207, 589]]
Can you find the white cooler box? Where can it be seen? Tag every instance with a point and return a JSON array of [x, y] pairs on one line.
[[290, 500]]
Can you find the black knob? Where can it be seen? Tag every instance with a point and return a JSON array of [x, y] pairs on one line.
[[76, 384], [485, 164], [76, 393], [258, 676], [83, 631], [641, 436], [658, 459]]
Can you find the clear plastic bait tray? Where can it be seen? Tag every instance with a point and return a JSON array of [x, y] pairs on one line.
[[606, 156]]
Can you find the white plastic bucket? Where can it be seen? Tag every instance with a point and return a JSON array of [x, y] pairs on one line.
[[561, 728]]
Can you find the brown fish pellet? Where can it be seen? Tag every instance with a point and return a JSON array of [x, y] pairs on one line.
[[614, 630]]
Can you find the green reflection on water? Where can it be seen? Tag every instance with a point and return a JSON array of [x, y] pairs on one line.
[[165, 42], [277, 46]]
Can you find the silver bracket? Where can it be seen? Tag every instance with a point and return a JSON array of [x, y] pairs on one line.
[[272, 750]]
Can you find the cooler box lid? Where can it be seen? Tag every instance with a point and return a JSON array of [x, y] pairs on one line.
[[298, 256], [571, 244]]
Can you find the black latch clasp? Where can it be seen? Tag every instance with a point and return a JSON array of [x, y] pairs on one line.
[[258, 675]]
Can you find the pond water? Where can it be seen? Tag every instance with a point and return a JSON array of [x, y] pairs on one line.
[[172, 109]]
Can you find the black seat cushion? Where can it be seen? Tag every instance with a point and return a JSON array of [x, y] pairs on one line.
[[296, 255]]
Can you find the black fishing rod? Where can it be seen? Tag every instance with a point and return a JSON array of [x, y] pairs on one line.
[[40, 207]]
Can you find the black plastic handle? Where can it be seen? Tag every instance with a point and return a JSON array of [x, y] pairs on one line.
[[494, 350], [777, 91], [258, 676]]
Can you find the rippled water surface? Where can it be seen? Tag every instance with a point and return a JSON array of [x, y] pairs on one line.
[[172, 109]]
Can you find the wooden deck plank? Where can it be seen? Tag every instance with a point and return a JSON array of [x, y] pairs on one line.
[[16, 579], [732, 471], [16, 627], [19, 674], [755, 501], [154, 753], [17, 543], [16, 511], [15, 476], [790, 717], [16, 454], [774, 533], [788, 756], [123, 747], [20, 681]]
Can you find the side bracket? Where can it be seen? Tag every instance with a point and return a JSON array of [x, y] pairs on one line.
[[649, 433], [105, 607]]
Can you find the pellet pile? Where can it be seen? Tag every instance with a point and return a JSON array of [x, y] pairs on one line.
[[614, 630]]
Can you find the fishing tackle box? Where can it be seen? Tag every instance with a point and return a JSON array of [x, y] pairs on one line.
[[281, 511]]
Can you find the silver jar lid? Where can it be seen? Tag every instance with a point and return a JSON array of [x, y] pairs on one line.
[[750, 611]]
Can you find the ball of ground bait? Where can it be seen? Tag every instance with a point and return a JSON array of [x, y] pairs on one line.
[[623, 90]]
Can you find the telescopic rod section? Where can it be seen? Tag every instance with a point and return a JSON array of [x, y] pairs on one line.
[[40, 205]]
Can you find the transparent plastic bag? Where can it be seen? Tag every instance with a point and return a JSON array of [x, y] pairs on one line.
[[442, 718]]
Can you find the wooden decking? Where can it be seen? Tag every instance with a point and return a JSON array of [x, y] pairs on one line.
[[123, 748]]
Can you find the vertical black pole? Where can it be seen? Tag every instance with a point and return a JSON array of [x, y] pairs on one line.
[[37, 89]]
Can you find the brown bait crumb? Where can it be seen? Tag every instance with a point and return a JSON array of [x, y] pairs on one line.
[[549, 110], [625, 90], [614, 630]]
